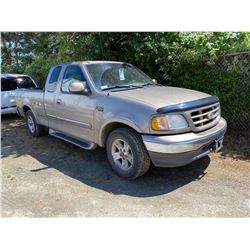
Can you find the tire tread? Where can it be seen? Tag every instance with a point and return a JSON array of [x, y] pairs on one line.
[[40, 129], [144, 160]]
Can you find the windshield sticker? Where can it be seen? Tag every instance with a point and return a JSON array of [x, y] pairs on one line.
[[121, 74]]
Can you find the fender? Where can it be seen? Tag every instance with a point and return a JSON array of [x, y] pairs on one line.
[[29, 106], [122, 120]]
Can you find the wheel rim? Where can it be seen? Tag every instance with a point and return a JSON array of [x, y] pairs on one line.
[[122, 154], [31, 124]]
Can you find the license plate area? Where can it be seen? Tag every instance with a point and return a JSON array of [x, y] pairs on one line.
[[218, 144]]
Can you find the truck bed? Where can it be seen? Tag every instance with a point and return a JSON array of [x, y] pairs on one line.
[[32, 98]]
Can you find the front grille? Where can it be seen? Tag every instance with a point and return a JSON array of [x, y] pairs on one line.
[[205, 117]]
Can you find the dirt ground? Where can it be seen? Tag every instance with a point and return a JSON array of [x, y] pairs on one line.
[[47, 177]]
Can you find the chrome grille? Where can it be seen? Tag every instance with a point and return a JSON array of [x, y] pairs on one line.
[[205, 117]]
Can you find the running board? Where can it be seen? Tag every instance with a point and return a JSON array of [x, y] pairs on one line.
[[79, 143]]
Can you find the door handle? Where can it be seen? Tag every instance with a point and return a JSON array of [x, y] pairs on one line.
[[59, 101]]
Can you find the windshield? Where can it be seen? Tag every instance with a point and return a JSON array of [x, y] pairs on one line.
[[109, 75]]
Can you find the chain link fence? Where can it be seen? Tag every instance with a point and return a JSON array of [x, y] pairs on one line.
[[239, 62]]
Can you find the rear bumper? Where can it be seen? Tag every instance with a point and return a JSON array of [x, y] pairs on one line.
[[11, 110], [179, 150]]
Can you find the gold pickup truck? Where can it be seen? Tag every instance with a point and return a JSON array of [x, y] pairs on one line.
[[117, 106]]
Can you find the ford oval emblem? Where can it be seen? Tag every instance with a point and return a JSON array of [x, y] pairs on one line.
[[211, 115]]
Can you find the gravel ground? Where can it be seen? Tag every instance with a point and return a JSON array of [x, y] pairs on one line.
[[47, 177]]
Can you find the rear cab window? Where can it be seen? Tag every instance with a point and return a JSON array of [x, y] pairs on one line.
[[55, 74], [53, 79], [12, 83]]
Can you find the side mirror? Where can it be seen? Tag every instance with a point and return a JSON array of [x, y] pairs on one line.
[[79, 88], [154, 80]]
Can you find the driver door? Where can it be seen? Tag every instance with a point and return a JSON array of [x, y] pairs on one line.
[[74, 111]]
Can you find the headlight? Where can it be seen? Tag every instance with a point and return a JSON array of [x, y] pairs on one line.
[[168, 122]]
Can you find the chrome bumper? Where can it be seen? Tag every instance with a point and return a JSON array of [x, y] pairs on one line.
[[182, 149]]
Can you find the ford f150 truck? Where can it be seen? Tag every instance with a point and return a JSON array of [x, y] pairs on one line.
[[116, 106]]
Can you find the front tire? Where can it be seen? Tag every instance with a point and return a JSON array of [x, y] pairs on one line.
[[127, 153], [34, 128]]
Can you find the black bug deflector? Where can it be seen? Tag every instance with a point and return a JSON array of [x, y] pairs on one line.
[[188, 105]]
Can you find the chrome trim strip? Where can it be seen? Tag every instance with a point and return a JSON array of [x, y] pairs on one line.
[[203, 114], [206, 120], [14, 106], [86, 125], [211, 122], [188, 105]]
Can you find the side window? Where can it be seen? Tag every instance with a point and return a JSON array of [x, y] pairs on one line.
[[73, 73], [55, 74]]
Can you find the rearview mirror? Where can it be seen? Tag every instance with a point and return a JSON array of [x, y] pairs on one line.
[[79, 88]]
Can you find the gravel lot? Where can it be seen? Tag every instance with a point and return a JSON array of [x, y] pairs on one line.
[[47, 177]]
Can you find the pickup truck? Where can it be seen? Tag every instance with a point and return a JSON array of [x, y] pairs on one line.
[[117, 106]]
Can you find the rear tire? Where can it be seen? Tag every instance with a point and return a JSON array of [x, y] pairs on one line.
[[34, 128], [127, 153]]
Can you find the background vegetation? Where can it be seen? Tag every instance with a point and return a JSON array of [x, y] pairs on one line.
[[184, 59]]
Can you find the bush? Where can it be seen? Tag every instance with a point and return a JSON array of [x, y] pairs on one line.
[[39, 69], [227, 85]]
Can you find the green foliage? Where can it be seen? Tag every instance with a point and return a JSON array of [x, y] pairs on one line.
[[184, 59], [224, 84], [39, 69]]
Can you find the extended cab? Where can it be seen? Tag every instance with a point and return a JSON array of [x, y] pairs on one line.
[[117, 106]]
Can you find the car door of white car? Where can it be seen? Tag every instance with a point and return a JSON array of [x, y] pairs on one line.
[[8, 93]]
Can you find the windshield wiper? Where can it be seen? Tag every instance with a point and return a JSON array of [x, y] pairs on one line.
[[122, 87], [146, 84], [149, 83]]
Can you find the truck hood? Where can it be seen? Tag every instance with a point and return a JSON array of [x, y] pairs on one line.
[[159, 96]]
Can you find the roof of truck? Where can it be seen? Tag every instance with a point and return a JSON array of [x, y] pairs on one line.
[[86, 62], [92, 62]]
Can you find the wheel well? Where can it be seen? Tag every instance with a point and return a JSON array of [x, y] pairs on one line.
[[109, 128], [25, 109]]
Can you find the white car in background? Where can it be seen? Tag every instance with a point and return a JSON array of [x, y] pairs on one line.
[[9, 83]]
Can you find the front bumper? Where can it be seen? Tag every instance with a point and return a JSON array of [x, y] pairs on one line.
[[11, 110], [179, 150]]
